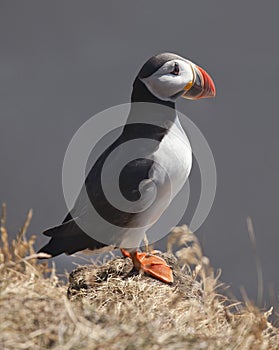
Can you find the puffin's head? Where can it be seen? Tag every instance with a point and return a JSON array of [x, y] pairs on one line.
[[168, 76]]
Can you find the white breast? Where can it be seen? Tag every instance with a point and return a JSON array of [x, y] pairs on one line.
[[175, 156]]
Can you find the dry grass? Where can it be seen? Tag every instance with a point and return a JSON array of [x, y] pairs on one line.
[[110, 307]]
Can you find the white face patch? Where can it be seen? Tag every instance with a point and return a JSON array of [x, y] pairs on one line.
[[164, 84]]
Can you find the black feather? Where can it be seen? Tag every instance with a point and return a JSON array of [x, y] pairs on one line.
[[68, 238]]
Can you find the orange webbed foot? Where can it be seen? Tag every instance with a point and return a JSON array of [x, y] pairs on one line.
[[151, 264]]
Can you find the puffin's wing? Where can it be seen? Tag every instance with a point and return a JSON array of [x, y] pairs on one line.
[[134, 183], [135, 175]]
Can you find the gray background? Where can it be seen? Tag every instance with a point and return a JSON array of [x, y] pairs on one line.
[[63, 61]]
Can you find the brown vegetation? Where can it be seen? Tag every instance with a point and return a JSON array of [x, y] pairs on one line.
[[109, 306]]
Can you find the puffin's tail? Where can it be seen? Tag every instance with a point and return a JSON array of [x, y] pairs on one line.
[[68, 238]]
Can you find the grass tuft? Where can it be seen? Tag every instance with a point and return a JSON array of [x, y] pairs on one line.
[[109, 306]]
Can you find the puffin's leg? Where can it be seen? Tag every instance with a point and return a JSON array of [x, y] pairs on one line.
[[125, 253], [151, 264]]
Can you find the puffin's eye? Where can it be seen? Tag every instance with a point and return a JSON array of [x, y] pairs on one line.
[[175, 69]]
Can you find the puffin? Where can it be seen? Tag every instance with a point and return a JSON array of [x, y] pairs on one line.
[[154, 175]]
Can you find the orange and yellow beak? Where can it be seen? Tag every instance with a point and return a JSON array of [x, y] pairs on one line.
[[202, 85]]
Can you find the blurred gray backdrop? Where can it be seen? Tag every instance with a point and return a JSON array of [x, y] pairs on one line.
[[63, 61]]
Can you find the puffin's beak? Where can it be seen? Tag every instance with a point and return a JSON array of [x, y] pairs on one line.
[[201, 87]]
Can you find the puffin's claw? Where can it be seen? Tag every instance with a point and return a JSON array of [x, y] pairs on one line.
[[151, 264]]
